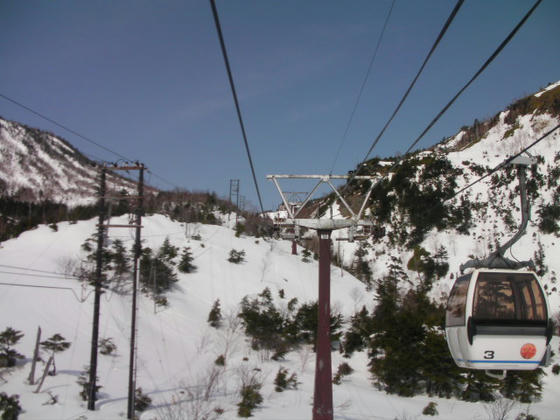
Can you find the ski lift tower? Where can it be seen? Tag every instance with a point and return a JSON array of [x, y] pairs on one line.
[[322, 399], [294, 199]]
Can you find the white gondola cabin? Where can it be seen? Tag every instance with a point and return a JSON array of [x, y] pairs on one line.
[[498, 320]]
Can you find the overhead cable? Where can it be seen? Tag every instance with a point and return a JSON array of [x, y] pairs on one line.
[[504, 163], [38, 275], [482, 68], [371, 61], [434, 46], [438, 116], [234, 93], [63, 126], [36, 286], [36, 271], [83, 137]]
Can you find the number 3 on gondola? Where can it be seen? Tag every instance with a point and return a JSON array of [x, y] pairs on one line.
[[488, 354]]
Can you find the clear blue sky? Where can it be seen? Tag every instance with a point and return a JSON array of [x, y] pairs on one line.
[[147, 78]]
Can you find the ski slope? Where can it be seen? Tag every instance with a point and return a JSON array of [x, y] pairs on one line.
[[176, 346]]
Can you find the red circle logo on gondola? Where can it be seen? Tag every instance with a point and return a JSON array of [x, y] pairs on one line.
[[528, 351]]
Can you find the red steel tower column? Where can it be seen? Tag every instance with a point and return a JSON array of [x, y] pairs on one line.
[[322, 399]]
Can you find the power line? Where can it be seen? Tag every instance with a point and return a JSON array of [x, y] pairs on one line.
[[35, 286], [434, 46], [504, 163], [34, 270], [83, 137], [38, 275], [62, 126], [234, 93], [164, 180], [372, 60], [446, 107]]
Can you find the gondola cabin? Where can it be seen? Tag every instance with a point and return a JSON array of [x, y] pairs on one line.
[[498, 320]]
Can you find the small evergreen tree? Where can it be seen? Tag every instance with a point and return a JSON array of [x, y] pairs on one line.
[[141, 400], [9, 338], [524, 386], [120, 259], [106, 346], [430, 409], [185, 265], [344, 369], [306, 255], [236, 257], [215, 315], [55, 344], [83, 381], [251, 398], [479, 387], [263, 322], [9, 406], [361, 268], [156, 272], [356, 338], [239, 229], [283, 381], [168, 252]]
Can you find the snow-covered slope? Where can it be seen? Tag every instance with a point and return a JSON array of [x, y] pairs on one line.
[[176, 346], [36, 165], [494, 203]]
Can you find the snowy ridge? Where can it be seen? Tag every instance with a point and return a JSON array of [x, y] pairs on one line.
[[491, 204], [36, 165]]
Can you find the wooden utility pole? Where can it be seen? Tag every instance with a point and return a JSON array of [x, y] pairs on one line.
[[97, 299], [137, 253]]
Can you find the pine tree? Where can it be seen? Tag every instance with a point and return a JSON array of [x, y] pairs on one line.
[[236, 257], [9, 406], [55, 344], [523, 386], [479, 387], [185, 265], [215, 315], [168, 252], [356, 338], [83, 381], [283, 381], [156, 270], [9, 338], [120, 259]]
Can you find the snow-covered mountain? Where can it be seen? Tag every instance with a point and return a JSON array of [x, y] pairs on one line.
[[406, 212], [36, 165]]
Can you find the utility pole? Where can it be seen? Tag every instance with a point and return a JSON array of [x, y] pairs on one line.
[[234, 191], [137, 252], [137, 224], [234, 194], [322, 397], [97, 298]]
